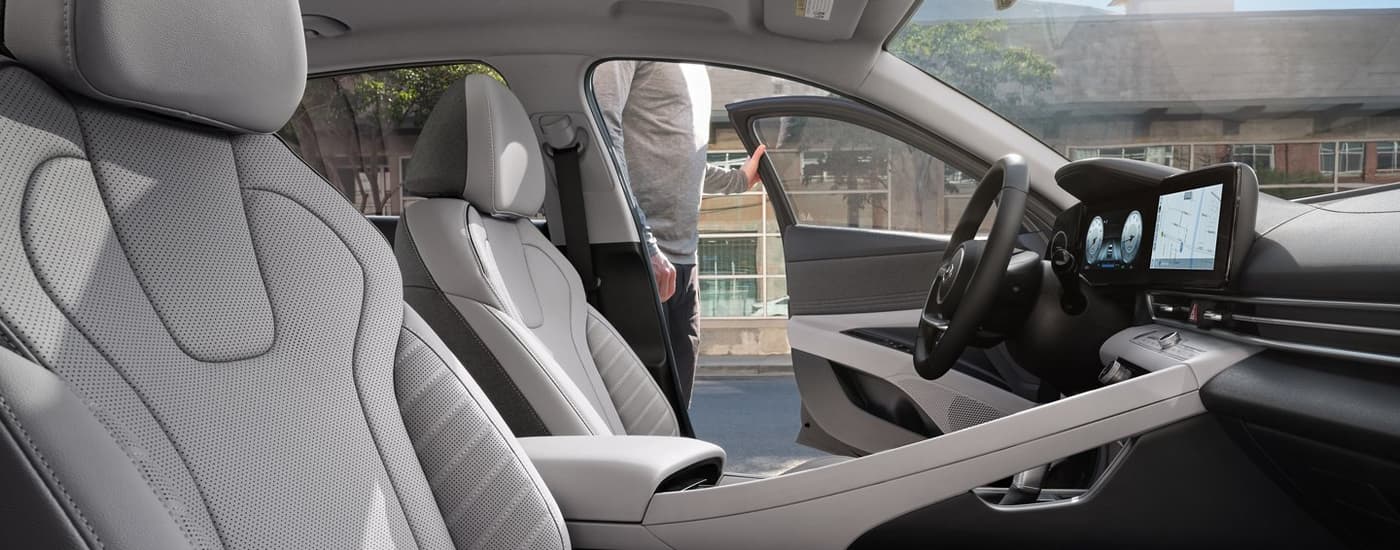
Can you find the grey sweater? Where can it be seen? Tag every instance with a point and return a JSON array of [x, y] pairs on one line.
[[658, 114]]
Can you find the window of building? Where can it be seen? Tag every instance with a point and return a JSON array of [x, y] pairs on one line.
[[1346, 157], [1159, 154], [358, 129], [1260, 157], [740, 258], [1388, 156]]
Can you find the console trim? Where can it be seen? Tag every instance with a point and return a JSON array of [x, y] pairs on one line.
[[853, 496]]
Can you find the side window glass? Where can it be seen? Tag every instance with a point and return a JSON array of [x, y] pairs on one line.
[[839, 174], [358, 129]]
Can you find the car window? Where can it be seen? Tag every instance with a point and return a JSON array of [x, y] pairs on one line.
[[358, 129], [839, 174], [867, 180], [1303, 91]]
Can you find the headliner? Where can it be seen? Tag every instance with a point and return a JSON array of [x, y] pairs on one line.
[[728, 32]]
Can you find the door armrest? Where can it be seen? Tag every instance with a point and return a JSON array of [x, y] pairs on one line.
[[612, 478]]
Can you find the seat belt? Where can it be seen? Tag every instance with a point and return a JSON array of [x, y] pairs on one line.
[[564, 144]]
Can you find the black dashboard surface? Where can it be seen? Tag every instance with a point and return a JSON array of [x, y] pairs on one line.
[[1348, 249]]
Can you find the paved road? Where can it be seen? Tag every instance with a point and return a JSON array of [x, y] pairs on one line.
[[754, 418]]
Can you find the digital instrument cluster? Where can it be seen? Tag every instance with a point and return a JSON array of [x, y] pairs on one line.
[[1178, 231], [1113, 240]]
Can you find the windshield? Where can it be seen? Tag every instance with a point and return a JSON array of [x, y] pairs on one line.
[[1305, 91]]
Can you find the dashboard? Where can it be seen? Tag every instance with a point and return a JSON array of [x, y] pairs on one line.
[[1155, 226]]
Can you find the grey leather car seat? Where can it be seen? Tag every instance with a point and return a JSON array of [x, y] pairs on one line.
[[498, 291], [500, 294], [207, 346]]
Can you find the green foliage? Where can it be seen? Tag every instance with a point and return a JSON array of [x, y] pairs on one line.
[[1277, 177], [973, 57], [404, 97], [345, 124], [1291, 193]]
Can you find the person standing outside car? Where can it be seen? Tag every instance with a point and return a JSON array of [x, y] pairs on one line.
[[658, 116]]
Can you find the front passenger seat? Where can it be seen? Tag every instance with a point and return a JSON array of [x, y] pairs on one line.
[[501, 295]]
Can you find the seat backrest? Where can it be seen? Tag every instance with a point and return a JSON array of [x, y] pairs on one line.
[[208, 346], [500, 293]]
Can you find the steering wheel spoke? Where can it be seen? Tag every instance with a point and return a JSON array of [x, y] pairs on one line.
[[969, 278]]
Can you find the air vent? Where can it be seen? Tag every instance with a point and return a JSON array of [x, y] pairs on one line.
[[1353, 330]]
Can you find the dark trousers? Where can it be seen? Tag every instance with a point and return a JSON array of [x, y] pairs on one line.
[[683, 322]]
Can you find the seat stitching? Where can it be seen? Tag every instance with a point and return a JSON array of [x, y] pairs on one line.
[[440, 427], [141, 280], [656, 425], [454, 462], [463, 506], [52, 475], [68, 40], [121, 373], [535, 480], [491, 147], [359, 331], [422, 389], [582, 350], [494, 528], [442, 295], [530, 541], [551, 378], [602, 323]]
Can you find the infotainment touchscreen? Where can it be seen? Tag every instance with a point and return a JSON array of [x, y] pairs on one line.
[[1188, 229]]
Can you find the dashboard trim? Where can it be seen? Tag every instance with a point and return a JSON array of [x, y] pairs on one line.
[[1336, 353], [1316, 324], [1312, 349], [1296, 302]]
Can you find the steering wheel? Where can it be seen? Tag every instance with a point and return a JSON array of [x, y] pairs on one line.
[[970, 274]]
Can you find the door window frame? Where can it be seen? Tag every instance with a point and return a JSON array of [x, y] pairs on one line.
[[746, 115]]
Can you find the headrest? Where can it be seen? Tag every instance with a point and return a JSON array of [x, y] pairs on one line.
[[478, 145], [238, 65]]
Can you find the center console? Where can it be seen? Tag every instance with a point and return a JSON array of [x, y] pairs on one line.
[[613, 478]]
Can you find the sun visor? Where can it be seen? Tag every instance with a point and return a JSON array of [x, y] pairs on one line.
[[816, 20]]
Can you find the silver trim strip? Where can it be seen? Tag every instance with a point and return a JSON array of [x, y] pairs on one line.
[[1096, 486], [1339, 353], [1377, 358], [1295, 302], [1382, 331]]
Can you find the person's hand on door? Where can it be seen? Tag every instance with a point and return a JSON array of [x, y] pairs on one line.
[[665, 275], [750, 168]]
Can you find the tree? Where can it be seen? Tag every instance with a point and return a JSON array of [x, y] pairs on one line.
[[973, 57], [344, 122]]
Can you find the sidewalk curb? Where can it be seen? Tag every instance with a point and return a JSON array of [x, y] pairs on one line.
[[715, 366]]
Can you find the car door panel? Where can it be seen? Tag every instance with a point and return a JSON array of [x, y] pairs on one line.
[[829, 269], [837, 173]]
